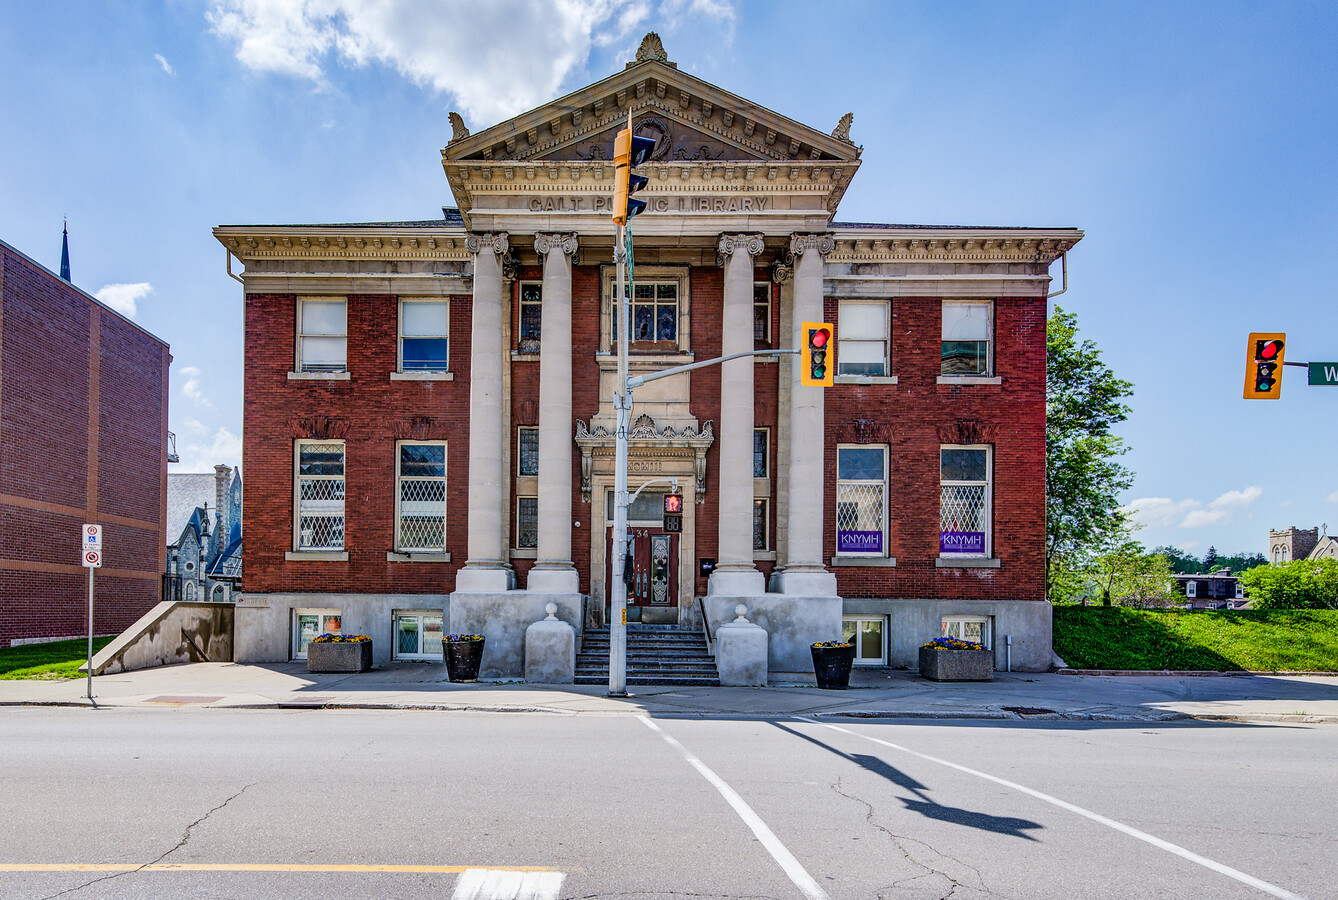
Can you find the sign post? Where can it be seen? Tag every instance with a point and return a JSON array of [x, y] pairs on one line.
[[90, 546]]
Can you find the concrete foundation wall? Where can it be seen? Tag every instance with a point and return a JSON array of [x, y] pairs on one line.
[[792, 624], [170, 633], [502, 618], [264, 622], [912, 622]]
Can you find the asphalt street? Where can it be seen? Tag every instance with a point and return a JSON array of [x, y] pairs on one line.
[[414, 803]]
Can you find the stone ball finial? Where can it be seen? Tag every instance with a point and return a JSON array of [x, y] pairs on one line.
[[740, 611], [551, 609]]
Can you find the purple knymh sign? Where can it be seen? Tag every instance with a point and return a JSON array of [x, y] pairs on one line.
[[859, 542], [961, 542]]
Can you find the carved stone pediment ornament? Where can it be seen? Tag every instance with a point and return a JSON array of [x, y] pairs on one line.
[[319, 428], [688, 442], [418, 428], [864, 431], [651, 50], [458, 130], [967, 431], [545, 241], [842, 130]]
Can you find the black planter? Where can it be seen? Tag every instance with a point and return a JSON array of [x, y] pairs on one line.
[[463, 659], [832, 665]]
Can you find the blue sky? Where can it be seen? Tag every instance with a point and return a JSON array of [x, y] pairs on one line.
[[1192, 142]]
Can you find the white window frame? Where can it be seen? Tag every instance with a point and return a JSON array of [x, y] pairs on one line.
[[989, 337], [645, 275], [954, 626], [987, 514], [1191, 589], [302, 303], [295, 647], [443, 301], [298, 545], [870, 554], [844, 340], [762, 287], [857, 620], [401, 478], [420, 615]]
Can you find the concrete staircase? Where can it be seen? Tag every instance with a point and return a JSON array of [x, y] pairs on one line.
[[656, 654]]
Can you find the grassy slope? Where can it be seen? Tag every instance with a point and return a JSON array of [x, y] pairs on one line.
[[58, 659], [1274, 640]]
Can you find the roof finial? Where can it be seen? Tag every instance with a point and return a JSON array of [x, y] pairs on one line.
[[65, 250], [842, 130], [458, 130], [651, 50]]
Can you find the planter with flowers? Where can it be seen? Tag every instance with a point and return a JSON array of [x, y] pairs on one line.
[[953, 659], [831, 664], [464, 655], [339, 653]]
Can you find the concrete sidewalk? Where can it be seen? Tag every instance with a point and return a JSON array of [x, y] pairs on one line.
[[873, 693]]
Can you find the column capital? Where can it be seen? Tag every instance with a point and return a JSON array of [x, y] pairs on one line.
[[822, 242], [731, 242], [782, 270], [496, 241], [565, 241]]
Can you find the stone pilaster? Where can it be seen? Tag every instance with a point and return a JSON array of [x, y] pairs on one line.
[[735, 574], [485, 569], [804, 572], [553, 570]]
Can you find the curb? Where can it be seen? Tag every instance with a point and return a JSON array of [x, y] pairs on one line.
[[1189, 673]]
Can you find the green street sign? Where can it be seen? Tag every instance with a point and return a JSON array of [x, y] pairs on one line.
[[1324, 373]]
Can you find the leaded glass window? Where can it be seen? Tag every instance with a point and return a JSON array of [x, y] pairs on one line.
[[964, 504], [760, 467], [654, 311], [531, 316], [320, 495], [527, 522], [421, 524], [861, 500], [760, 523], [762, 312], [529, 451]]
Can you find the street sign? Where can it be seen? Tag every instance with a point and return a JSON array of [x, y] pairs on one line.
[[92, 537], [92, 559], [1324, 373]]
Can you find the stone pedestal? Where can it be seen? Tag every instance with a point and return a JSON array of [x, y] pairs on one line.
[[741, 652], [550, 650]]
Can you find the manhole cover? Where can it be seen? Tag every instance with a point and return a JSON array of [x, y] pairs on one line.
[[1029, 711], [182, 699]]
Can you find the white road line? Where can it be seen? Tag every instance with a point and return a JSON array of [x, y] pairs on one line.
[[499, 884], [1226, 870], [797, 873]]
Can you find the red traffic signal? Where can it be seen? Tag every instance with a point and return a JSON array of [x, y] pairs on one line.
[[815, 363], [1263, 365]]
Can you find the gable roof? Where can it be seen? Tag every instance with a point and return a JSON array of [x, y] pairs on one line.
[[186, 491]]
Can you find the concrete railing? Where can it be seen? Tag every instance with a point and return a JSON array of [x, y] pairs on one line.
[[171, 632]]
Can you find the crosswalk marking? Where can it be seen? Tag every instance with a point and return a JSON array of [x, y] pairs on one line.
[[501, 884]]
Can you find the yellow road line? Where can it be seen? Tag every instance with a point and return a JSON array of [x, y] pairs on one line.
[[249, 867]]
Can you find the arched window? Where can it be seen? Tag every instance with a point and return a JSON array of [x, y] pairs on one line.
[[190, 592], [220, 594]]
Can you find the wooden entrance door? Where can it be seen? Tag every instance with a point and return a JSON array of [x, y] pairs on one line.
[[654, 572]]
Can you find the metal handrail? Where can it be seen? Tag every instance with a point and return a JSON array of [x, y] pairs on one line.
[[706, 625]]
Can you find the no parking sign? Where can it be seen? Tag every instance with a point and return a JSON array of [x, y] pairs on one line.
[[90, 546]]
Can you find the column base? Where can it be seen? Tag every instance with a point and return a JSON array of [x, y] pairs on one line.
[[484, 578], [739, 582], [792, 624], [555, 579], [805, 582]]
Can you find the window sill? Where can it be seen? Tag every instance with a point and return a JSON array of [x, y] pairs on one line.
[[422, 376], [865, 379], [419, 556], [764, 555], [318, 376], [518, 356], [646, 357], [886, 562], [970, 379], [524, 553], [966, 562], [316, 556]]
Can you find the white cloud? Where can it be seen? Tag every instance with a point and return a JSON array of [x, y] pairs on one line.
[[167, 66], [1190, 545], [124, 297], [1163, 512], [202, 453], [449, 47], [1333, 498], [191, 388]]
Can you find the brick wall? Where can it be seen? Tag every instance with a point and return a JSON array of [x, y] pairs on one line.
[[58, 412]]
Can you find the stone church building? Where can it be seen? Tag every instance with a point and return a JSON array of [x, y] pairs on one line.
[[429, 420]]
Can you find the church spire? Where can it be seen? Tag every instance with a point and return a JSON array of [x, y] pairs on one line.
[[65, 251]]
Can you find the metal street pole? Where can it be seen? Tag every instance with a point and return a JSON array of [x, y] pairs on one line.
[[622, 401], [90, 634]]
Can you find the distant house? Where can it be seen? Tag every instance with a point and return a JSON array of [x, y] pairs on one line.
[[204, 561], [1214, 590]]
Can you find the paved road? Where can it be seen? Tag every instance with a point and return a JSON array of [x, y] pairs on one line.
[[410, 803]]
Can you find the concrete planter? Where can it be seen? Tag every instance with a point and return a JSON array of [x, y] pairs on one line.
[[956, 665], [345, 656]]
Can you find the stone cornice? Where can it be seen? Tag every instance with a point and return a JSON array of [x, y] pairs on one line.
[[954, 244], [349, 242]]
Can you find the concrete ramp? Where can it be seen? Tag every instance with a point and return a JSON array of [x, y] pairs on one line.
[[170, 633]]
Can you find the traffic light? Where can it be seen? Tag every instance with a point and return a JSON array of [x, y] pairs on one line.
[[816, 360], [1263, 365], [629, 151], [673, 513]]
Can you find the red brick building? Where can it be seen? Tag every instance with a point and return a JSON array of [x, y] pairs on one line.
[[83, 438], [429, 419]]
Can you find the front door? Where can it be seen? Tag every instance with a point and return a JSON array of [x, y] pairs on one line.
[[652, 592]]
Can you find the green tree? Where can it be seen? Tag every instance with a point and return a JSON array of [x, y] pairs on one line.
[[1130, 576], [1083, 476], [1179, 560], [1300, 584], [1210, 559]]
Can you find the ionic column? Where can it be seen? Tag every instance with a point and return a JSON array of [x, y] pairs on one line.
[[485, 569], [804, 572], [553, 570], [735, 574]]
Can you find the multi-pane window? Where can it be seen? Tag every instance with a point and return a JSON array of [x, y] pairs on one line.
[[869, 635], [531, 297], [967, 331], [320, 495], [424, 335], [760, 462], [418, 636], [527, 523], [421, 522], [529, 451], [861, 500], [862, 338], [322, 328], [760, 522], [762, 312], [964, 500], [654, 312], [968, 628], [309, 624]]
